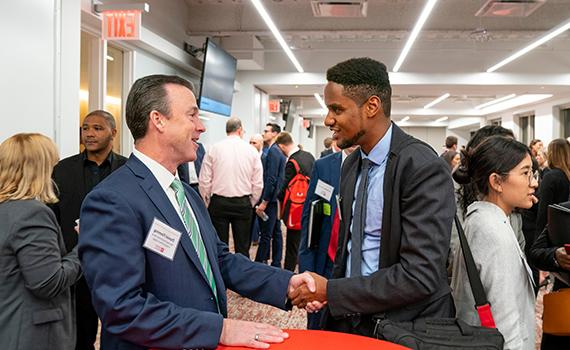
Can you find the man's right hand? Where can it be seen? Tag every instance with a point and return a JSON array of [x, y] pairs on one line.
[[562, 258], [250, 334], [261, 208]]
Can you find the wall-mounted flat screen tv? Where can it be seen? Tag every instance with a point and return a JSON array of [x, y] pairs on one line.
[[217, 82]]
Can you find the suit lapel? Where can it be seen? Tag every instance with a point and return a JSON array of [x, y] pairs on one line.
[[152, 188], [348, 178]]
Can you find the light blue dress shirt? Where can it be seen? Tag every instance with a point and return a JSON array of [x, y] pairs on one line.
[[374, 206]]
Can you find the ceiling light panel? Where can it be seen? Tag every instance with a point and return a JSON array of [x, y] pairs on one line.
[[437, 100], [277, 34], [543, 39], [515, 102], [500, 99], [415, 32]]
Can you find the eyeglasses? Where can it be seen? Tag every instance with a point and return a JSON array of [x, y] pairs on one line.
[[532, 175]]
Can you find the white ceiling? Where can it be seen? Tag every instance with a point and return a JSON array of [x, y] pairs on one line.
[[451, 54]]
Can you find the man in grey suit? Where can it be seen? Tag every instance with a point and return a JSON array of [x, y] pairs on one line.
[[397, 206]]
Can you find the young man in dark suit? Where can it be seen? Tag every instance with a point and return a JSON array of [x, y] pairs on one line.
[[271, 238], [76, 176], [305, 161], [149, 252], [393, 246]]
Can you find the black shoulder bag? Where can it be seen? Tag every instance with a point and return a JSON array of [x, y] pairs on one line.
[[448, 333]]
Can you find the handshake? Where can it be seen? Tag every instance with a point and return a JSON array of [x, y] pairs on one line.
[[308, 290]]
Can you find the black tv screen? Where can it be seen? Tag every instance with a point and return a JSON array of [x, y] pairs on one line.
[[217, 82]]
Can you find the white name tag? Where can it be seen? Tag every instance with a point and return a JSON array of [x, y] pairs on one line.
[[324, 190], [162, 239]]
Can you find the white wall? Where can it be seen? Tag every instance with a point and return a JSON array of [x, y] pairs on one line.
[[39, 67], [435, 137]]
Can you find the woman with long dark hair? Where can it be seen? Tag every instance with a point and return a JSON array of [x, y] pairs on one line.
[[501, 170]]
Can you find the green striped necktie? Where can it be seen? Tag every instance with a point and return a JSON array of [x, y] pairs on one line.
[[192, 228]]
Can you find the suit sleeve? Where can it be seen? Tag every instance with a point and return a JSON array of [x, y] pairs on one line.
[[45, 271], [427, 210], [111, 253], [306, 255], [272, 168], [547, 195]]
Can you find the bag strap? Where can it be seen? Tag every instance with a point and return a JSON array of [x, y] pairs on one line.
[[482, 305], [296, 165]]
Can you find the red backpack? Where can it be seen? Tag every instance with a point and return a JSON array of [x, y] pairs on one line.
[[294, 200]]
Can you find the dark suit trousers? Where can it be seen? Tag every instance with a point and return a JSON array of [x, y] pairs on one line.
[[85, 317], [292, 249], [237, 212], [270, 237]]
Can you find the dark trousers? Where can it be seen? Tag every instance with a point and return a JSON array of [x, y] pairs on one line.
[[237, 212], [292, 249], [255, 230], [85, 317], [270, 237]]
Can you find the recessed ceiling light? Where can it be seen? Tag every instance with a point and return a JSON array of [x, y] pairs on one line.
[[437, 100]]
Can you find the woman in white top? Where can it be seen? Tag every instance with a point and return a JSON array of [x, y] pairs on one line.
[[501, 169]]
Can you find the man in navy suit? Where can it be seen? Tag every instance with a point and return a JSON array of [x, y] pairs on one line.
[[190, 172], [156, 269], [273, 175]]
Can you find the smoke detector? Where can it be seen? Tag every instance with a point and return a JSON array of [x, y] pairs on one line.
[[509, 8], [346, 8]]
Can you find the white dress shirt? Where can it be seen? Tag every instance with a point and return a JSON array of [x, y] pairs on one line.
[[164, 178]]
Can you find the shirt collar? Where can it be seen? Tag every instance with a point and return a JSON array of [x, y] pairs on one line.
[[162, 175], [109, 158], [293, 151], [380, 151]]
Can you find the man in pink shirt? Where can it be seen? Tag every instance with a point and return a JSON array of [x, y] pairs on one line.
[[231, 181]]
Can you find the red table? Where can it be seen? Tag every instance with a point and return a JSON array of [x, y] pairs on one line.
[[306, 339]]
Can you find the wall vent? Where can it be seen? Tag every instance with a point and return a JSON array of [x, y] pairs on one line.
[[346, 8], [509, 8]]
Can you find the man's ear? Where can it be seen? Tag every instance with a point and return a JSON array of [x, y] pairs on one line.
[[156, 120], [495, 182], [373, 105]]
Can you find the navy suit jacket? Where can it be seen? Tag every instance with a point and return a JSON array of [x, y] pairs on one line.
[[145, 300], [316, 259], [273, 173], [183, 169]]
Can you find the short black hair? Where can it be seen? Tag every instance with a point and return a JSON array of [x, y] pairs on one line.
[[450, 141], [149, 94], [274, 127], [362, 78], [105, 115]]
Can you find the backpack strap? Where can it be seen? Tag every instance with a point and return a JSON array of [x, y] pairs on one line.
[[296, 165]]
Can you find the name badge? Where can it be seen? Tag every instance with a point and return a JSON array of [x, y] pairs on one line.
[[324, 190], [162, 239]]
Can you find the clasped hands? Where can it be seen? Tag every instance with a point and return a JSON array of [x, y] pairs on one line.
[[309, 291]]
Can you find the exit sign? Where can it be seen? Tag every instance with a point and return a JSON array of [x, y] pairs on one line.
[[121, 25], [274, 106]]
